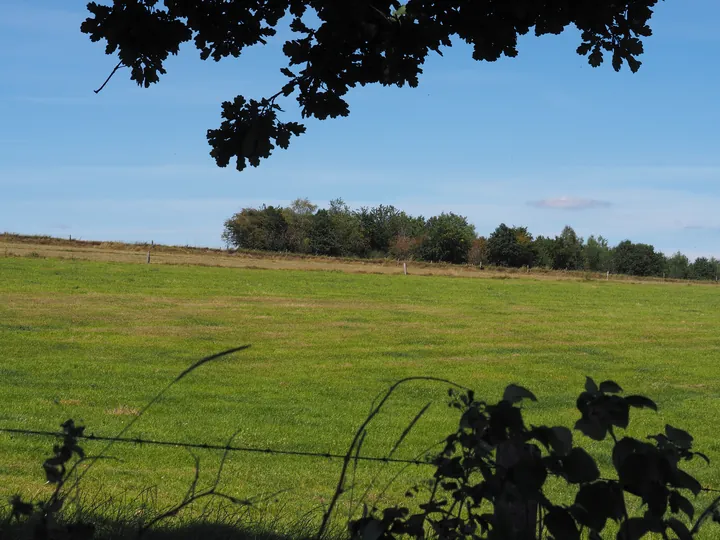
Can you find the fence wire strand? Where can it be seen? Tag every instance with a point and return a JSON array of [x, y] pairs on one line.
[[232, 448], [207, 446]]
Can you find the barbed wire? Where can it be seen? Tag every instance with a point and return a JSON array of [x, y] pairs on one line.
[[233, 448], [208, 446]]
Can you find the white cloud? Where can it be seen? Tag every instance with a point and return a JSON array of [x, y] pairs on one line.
[[677, 211]]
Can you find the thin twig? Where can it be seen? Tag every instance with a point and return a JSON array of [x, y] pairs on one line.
[[119, 65], [401, 471], [358, 434], [355, 465], [192, 497], [409, 428], [196, 478], [708, 511], [392, 452], [224, 457], [152, 402]]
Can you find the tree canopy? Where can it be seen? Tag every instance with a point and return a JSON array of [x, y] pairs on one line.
[[510, 246], [338, 45], [388, 232]]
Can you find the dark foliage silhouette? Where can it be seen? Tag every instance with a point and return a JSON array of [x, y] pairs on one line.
[[68, 465], [490, 480], [336, 46], [495, 467]]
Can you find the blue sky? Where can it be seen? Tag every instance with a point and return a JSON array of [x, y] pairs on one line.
[[542, 140]]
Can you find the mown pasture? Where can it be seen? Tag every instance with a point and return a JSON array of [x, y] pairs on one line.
[[94, 341]]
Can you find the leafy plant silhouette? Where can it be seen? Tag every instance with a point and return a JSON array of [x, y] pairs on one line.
[[58, 468], [64, 472], [490, 477]]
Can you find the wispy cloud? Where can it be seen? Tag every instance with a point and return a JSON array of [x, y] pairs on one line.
[[570, 203], [695, 227]]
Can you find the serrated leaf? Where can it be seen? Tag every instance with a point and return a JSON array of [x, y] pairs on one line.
[[584, 49], [634, 64], [596, 58], [617, 61]]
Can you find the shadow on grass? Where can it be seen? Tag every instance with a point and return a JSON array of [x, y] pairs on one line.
[[123, 531]]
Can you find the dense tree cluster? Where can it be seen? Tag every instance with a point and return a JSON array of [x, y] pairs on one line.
[[385, 231], [342, 232]]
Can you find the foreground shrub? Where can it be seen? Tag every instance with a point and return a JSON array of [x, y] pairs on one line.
[[491, 475], [490, 480]]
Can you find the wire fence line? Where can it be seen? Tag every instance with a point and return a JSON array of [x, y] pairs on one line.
[[206, 446], [233, 448]]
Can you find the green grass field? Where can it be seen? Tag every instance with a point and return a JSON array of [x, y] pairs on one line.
[[95, 341]]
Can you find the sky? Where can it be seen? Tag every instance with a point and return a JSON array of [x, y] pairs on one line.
[[542, 140]]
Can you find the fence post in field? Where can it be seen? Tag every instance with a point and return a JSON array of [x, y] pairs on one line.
[[607, 278], [405, 268], [152, 242]]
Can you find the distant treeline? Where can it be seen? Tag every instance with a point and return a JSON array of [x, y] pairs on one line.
[[385, 231]]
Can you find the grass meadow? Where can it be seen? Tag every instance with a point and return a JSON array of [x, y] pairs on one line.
[[95, 341]]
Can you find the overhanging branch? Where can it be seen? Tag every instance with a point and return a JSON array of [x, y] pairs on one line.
[[119, 65]]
